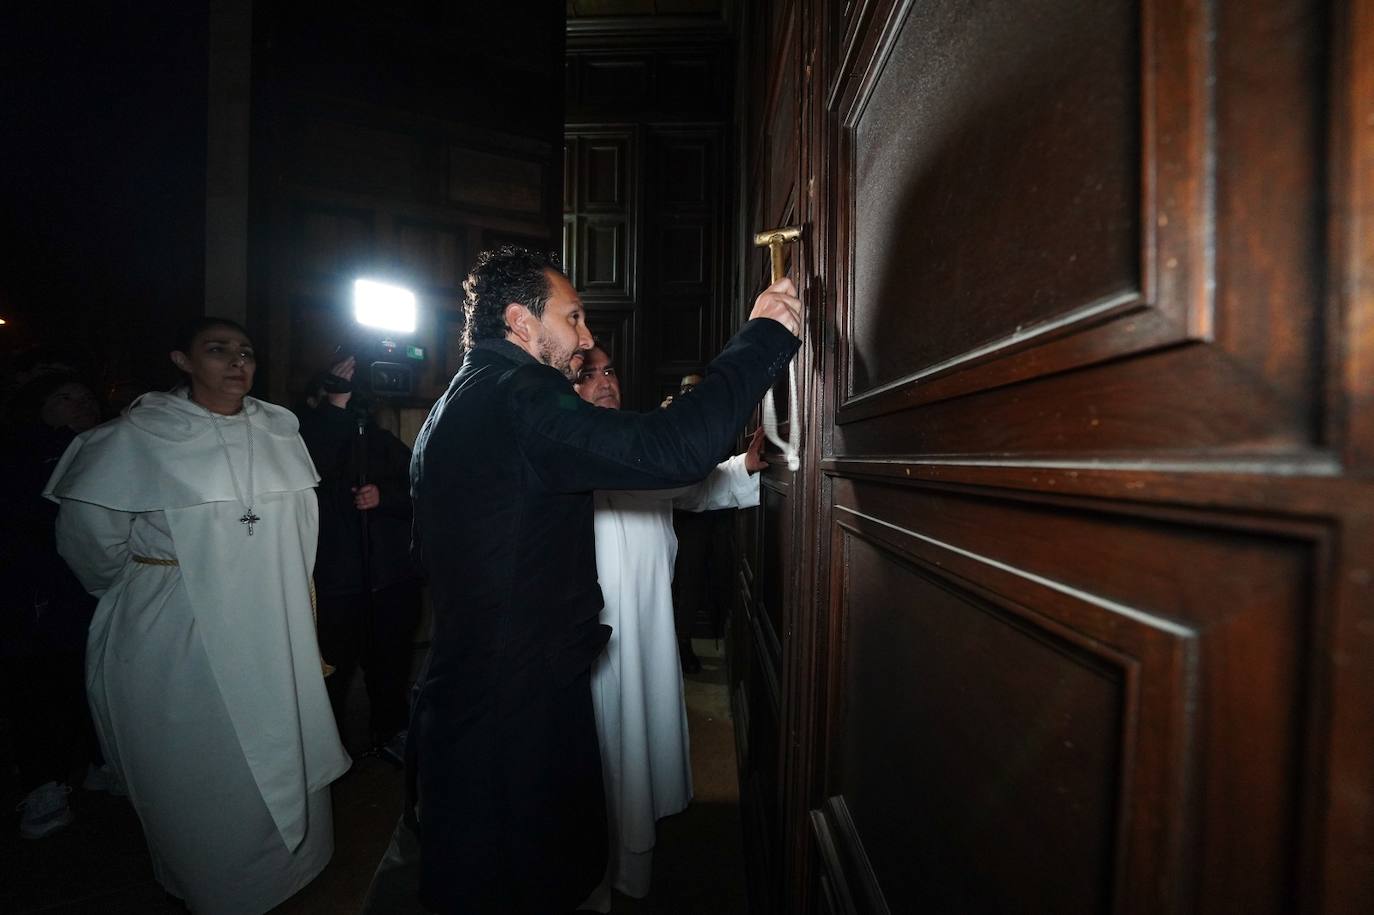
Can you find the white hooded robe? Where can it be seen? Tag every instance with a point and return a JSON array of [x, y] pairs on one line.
[[204, 676], [641, 714]]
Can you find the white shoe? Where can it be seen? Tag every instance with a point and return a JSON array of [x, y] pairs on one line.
[[45, 810], [104, 778]]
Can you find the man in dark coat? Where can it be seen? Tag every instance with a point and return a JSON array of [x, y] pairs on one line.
[[367, 585], [505, 766]]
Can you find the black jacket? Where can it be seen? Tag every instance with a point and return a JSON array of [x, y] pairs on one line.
[[43, 607], [512, 814], [331, 435]]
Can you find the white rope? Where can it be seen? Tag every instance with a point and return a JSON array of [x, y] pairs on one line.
[[791, 448]]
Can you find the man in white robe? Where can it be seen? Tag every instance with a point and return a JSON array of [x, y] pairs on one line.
[[203, 671], [637, 693]]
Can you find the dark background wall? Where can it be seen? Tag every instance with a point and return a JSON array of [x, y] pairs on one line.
[[646, 202], [348, 140], [102, 177], [395, 142]]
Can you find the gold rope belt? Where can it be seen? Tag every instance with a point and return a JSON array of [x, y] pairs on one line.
[[155, 561]]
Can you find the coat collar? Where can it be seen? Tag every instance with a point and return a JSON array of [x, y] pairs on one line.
[[506, 349]]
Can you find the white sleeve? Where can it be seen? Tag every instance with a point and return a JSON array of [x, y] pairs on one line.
[[94, 541], [730, 485]]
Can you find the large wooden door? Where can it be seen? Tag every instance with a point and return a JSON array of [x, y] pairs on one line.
[[1069, 607], [644, 204]]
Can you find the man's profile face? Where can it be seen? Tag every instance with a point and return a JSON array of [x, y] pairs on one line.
[[597, 383], [688, 382], [564, 335]]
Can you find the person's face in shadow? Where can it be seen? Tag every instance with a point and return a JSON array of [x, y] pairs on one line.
[[72, 405], [597, 382]]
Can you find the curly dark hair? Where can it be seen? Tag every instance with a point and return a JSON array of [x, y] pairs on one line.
[[501, 276]]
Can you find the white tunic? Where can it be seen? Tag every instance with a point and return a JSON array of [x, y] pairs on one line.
[[641, 716], [204, 677]]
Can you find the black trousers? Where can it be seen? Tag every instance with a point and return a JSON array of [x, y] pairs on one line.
[[702, 572], [45, 701], [511, 802], [377, 635]]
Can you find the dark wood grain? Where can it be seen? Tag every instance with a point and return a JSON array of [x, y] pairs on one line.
[[650, 202], [1130, 513]]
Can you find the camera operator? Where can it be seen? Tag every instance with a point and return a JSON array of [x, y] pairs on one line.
[[368, 588]]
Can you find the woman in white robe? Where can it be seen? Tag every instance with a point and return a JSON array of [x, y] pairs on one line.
[[192, 518], [641, 714]]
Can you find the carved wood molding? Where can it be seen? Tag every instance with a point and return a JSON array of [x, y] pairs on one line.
[[645, 31], [1351, 229], [846, 863], [1173, 302], [1168, 668]]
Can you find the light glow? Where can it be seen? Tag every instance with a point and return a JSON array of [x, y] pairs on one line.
[[384, 306]]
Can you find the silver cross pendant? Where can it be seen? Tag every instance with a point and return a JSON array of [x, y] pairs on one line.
[[249, 519]]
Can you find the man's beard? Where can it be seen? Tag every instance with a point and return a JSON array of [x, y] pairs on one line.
[[561, 359]]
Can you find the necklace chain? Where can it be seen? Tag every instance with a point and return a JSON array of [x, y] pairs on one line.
[[248, 517]]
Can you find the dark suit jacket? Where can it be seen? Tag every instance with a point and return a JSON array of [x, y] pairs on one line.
[[331, 435], [505, 760]]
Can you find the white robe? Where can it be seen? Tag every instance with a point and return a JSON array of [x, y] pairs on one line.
[[641, 715], [204, 677]]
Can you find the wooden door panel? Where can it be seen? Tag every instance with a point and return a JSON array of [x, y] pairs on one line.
[[649, 205], [605, 172], [1181, 404], [1091, 143], [1067, 611], [682, 240], [1047, 679], [692, 85], [602, 213], [619, 81], [754, 701], [769, 604], [997, 217], [614, 329], [782, 139], [603, 247], [943, 774], [681, 327], [775, 564], [687, 163], [682, 247]]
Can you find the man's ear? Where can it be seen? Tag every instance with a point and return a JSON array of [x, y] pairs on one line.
[[520, 322], [180, 361]]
